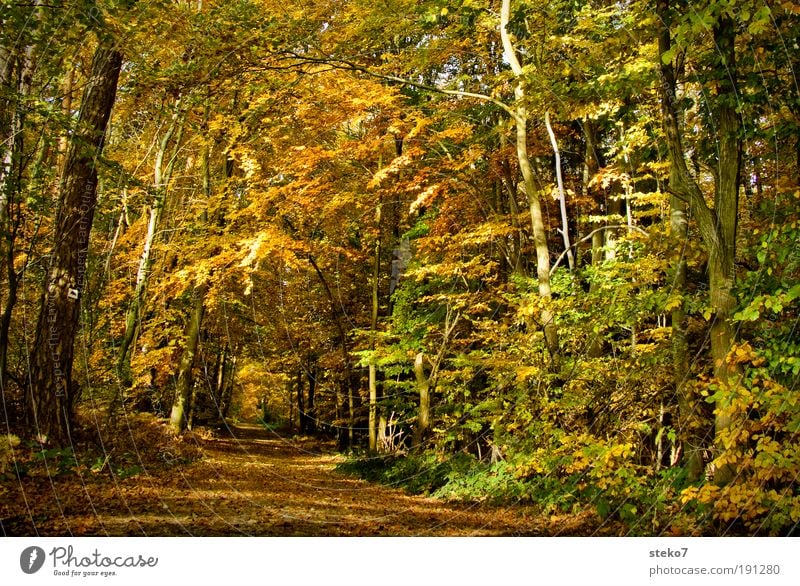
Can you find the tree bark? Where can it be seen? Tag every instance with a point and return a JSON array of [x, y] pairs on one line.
[[686, 426], [52, 393], [717, 225], [183, 388], [691, 443], [311, 415], [301, 407], [226, 392], [423, 388], [520, 116], [13, 123]]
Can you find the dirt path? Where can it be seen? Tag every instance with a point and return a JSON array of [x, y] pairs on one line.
[[258, 483]]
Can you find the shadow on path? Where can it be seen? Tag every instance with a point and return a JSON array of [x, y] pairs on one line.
[[253, 481]]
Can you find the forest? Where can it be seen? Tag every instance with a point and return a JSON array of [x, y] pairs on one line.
[[507, 255]]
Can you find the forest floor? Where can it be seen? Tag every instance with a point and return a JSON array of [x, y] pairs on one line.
[[250, 481]]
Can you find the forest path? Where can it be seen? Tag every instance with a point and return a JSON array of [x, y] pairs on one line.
[[258, 483]]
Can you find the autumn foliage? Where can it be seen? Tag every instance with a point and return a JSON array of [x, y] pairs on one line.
[[321, 219]]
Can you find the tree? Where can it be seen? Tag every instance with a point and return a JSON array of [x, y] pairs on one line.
[[52, 388], [162, 174], [17, 66], [520, 116], [717, 223]]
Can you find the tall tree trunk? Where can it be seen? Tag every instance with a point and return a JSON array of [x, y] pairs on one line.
[[50, 401], [12, 123], [529, 181], [311, 417], [301, 407], [373, 375], [717, 225], [161, 179], [726, 207], [692, 444], [183, 388], [12, 156], [220, 372], [193, 328], [591, 165], [690, 441], [9, 302], [290, 401], [373, 408]]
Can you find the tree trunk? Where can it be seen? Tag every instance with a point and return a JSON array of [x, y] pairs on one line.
[[8, 308], [311, 418], [423, 388], [717, 225], [591, 165], [301, 408], [50, 401], [373, 408], [226, 394], [290, 400], [161, 179], [215, 379], [562, 200], [193, 328], [183, 388], [348, 374], [13, 122], [373, 375], [686, 426], [531, 191], [12, 163]]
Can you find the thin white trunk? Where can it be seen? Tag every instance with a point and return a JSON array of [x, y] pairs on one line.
[[561, 195]]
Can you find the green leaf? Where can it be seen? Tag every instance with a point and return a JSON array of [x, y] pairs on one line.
[[761, 20], [793, 293], [603, 508], [749, 313]]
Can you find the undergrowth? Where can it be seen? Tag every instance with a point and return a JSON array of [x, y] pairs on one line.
[[645, 506], [124, 447]]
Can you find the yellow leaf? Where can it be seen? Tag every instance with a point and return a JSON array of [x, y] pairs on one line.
[[674, 302]]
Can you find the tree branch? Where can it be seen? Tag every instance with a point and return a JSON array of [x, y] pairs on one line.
[[589, 236], [341, 63]]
